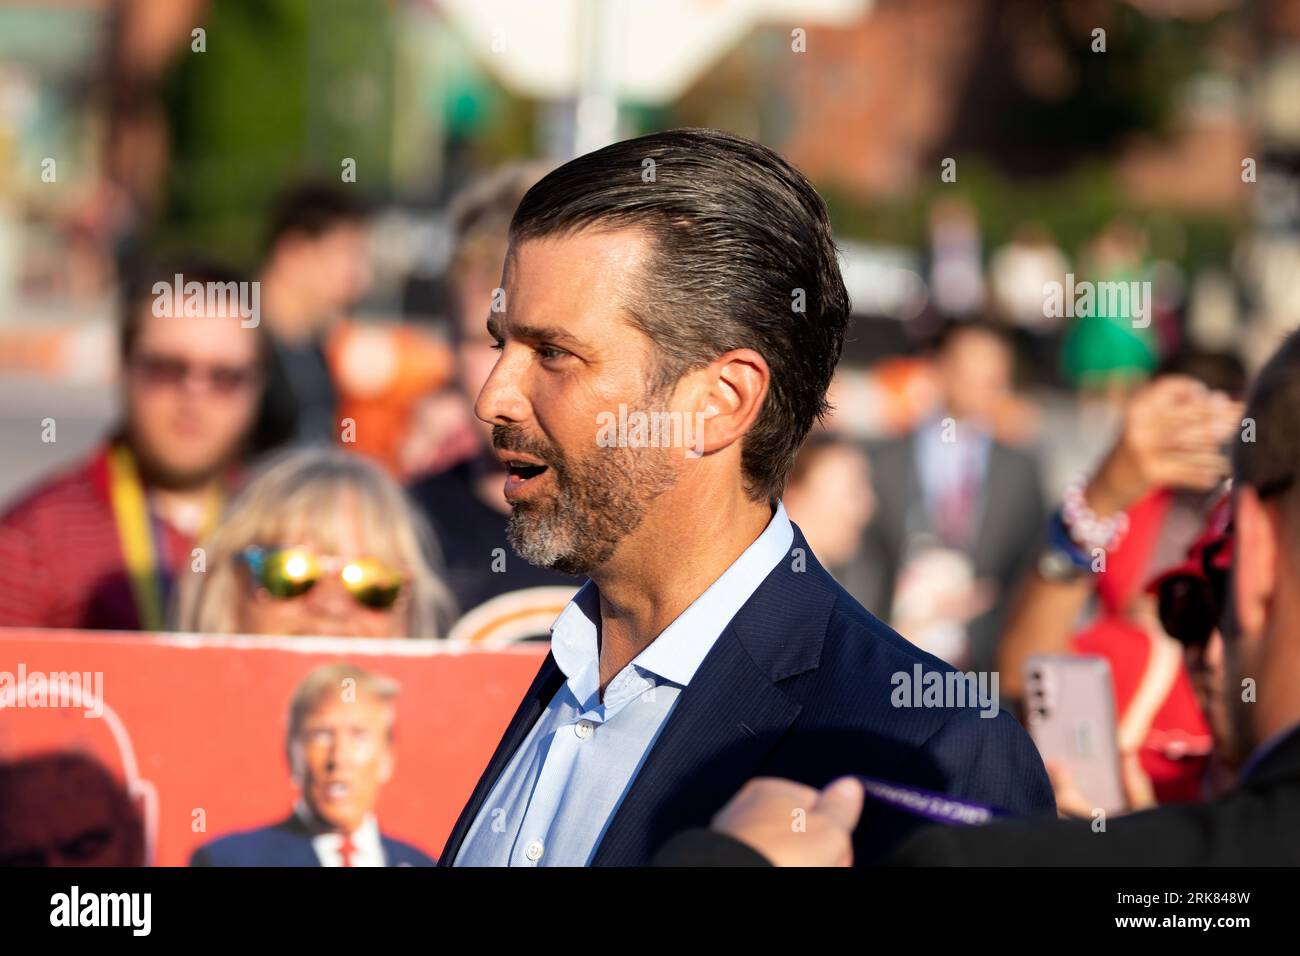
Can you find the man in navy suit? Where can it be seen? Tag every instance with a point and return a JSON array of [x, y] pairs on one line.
[[670, 316], [340, 751]]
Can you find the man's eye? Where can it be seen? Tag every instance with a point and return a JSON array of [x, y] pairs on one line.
[[546, 352], [497, 346]]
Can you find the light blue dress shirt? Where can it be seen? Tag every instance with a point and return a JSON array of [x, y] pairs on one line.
[[563, 785]]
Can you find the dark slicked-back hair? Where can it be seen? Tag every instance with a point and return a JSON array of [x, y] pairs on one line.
[[743, 258], [1270, 461]]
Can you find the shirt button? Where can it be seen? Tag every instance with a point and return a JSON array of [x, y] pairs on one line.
[[584, 729], [534, 851]]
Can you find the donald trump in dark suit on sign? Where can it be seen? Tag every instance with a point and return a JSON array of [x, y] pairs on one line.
[[340, 752]]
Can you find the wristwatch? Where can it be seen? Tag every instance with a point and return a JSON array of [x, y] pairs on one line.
[[1061, 559], [1058, 566]]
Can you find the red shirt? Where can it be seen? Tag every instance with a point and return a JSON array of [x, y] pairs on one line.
[[1175, 752], [61, 561]]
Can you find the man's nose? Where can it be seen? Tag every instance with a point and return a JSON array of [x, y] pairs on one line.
[[501, 401], [196, 383]]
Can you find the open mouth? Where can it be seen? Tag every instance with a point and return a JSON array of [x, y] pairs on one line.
[[524, 470], [521, 475], [337, 790]]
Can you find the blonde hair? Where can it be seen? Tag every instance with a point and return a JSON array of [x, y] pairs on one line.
[[302, 489]]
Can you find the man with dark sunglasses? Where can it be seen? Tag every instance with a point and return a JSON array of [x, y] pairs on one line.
[[98, 545]]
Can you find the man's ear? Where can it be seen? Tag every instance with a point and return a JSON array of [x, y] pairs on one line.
[[734, 387], [1255, 553], [388, 761], [294, 756]]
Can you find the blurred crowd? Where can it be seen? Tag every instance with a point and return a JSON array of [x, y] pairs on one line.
[[1006, 473], [307, 474]]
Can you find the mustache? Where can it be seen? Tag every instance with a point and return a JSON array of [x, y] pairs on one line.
[[512, 438]]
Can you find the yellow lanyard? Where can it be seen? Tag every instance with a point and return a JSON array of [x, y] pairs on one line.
[[134, 531]]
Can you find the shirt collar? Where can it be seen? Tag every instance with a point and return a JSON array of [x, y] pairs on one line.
[[676, 654], [368, 833], [367, 845]]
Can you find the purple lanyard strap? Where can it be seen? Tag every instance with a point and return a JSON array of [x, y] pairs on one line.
[[938, 807]]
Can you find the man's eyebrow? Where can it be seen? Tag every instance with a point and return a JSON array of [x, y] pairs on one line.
[[535, 333]]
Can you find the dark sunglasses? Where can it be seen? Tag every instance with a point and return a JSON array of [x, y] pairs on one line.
[[286, 573], [168, 372]]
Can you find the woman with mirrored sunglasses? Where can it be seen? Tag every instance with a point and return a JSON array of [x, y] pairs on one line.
[[324, 543]]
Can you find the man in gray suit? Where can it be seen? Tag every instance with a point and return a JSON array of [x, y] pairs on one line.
[[959, 514]]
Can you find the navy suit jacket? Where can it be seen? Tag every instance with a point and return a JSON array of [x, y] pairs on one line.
[[798, 685], [288, 843]]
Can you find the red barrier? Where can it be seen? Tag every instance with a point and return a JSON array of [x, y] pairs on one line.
[[195, 726]]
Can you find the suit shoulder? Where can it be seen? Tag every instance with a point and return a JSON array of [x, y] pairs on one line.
[[859, 659], [955, 717], [243, 848], [400, 853], [858, 634], [898, 673]]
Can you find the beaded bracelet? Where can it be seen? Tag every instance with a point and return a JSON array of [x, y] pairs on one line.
[[1086, 528]]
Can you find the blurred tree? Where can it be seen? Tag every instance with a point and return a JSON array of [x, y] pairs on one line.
[[1043, 94], [284, 89]]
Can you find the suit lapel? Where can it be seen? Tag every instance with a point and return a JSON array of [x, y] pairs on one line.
[[722, 726], [548, 680], [726, 721], [301, 850]]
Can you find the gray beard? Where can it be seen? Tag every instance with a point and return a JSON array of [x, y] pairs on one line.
[[597, 503]]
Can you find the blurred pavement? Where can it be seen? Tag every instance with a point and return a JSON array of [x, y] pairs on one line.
[[82, 415]]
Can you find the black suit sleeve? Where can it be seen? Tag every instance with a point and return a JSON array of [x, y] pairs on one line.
[[701, 847], [933, 846], [1152, 838]]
